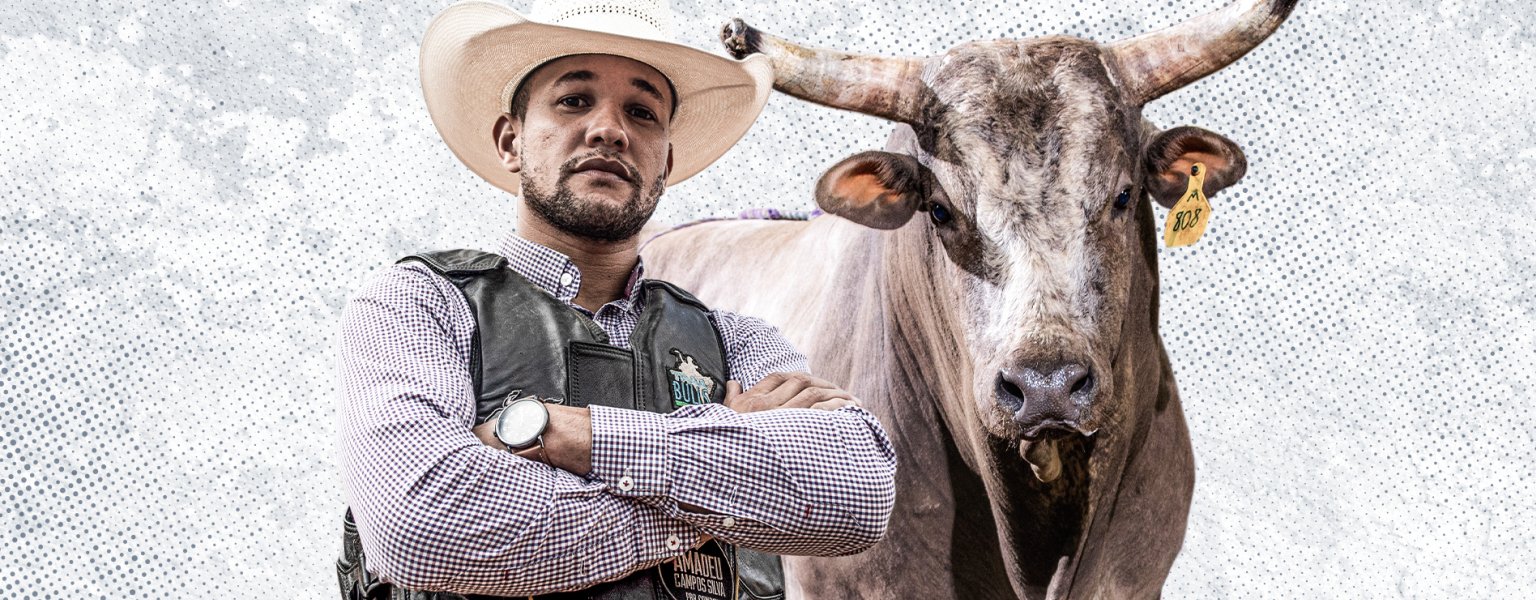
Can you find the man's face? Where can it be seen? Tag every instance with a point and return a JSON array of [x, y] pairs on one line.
[[592, 148]]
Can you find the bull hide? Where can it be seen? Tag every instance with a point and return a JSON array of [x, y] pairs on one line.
[[1007, 338]]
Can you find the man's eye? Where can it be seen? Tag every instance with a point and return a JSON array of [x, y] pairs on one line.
[[573, 101], [641, 112]]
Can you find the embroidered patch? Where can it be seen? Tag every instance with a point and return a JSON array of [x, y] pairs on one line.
[[706, 573], [689, 384]]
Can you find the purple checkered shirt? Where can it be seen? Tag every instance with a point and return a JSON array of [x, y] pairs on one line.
[[438, 510]]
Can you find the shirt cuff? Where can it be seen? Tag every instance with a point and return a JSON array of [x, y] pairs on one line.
[[629, 451]]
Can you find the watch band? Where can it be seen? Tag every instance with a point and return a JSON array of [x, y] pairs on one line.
[[544, 458]]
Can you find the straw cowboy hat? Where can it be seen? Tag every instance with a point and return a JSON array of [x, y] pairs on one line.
[[475, 53]]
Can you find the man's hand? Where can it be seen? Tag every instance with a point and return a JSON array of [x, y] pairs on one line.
[[787, 390]]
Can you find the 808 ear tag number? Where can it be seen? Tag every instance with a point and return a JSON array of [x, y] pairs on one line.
[[1186, 219]]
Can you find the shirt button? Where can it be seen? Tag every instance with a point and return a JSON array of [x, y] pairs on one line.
[[626, 484], [673, 543], [566, 278], [728, 522]]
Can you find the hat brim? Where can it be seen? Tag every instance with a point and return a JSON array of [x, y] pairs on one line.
[[474, 53]]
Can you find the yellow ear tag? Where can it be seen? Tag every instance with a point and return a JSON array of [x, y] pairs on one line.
[[1188, 218]]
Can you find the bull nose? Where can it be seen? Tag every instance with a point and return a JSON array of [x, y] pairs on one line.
[[1044, 397]]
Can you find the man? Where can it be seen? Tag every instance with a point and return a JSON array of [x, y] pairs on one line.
[[559, 348]]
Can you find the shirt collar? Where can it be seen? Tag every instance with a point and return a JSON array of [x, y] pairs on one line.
[[554, 272]]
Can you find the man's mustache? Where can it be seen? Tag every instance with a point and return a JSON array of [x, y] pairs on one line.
[[569, 167]]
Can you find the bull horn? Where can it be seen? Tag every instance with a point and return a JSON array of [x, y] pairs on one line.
[[1157, 63], [890, 88]]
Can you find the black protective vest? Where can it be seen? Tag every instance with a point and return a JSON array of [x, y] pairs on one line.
[[528, 342]]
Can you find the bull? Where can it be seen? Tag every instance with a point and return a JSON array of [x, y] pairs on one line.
[[1009, 337]]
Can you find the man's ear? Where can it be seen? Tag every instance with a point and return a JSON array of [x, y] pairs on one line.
[[668, 174], [505, 132], [1170, 154], [874, 189]]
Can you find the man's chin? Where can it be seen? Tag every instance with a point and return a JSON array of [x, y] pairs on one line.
[[597, 217], [602, 232], [613, 195], [597, 208]]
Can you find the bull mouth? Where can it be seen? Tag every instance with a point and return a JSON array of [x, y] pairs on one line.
[[1050, 429], [1042, 444], [1042, 449], [1008, 427]]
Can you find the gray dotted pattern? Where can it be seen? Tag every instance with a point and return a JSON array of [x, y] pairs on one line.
[[190, 190]]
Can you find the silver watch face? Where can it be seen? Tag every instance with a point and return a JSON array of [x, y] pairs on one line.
[[522, 422]]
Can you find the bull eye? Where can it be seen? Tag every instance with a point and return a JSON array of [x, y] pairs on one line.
[[1124, 199], [939, 213]]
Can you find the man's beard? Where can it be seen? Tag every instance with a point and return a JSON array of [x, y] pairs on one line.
[[592, 219]]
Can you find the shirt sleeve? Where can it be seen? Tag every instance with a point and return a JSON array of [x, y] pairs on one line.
[[754, 349], [786, 481], [438, 510]]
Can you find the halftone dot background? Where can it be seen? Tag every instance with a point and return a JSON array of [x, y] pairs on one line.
[[189, 192]]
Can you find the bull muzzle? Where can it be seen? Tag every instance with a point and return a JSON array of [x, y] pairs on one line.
[[1048, 399], [1050, 403]]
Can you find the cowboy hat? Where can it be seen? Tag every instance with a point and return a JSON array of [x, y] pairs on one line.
[[475, 54]]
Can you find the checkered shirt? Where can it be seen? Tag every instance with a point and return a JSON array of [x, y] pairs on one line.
[[438, 510]]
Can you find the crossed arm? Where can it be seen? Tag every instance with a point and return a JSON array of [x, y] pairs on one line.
[[567, 440], [439, 510]]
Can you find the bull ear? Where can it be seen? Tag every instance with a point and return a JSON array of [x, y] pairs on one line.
[[874, 189], [1171, 153]]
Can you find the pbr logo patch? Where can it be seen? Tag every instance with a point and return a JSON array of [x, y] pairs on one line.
[[705, 573], [689, 385]]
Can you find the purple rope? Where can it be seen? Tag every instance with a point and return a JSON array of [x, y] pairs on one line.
[[775, 214], [768, 214]]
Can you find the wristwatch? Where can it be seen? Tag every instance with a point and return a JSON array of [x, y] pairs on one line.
[[520, 424]]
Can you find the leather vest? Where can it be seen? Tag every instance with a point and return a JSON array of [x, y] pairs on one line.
[[530, 343]]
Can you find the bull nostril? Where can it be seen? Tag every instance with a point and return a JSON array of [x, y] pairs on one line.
[[1009, 394], [1082, 384]]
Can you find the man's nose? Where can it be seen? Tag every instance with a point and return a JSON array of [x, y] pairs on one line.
[[606, 129]]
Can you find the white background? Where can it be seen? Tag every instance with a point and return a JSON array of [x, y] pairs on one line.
[[189, 191]]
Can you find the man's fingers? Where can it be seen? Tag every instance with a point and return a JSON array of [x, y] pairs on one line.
[[732, 395], [819, 382], [793, 384], [778, 388], [814, 395], [786, 390], [834, 404], [773, 381], [770, 381]]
